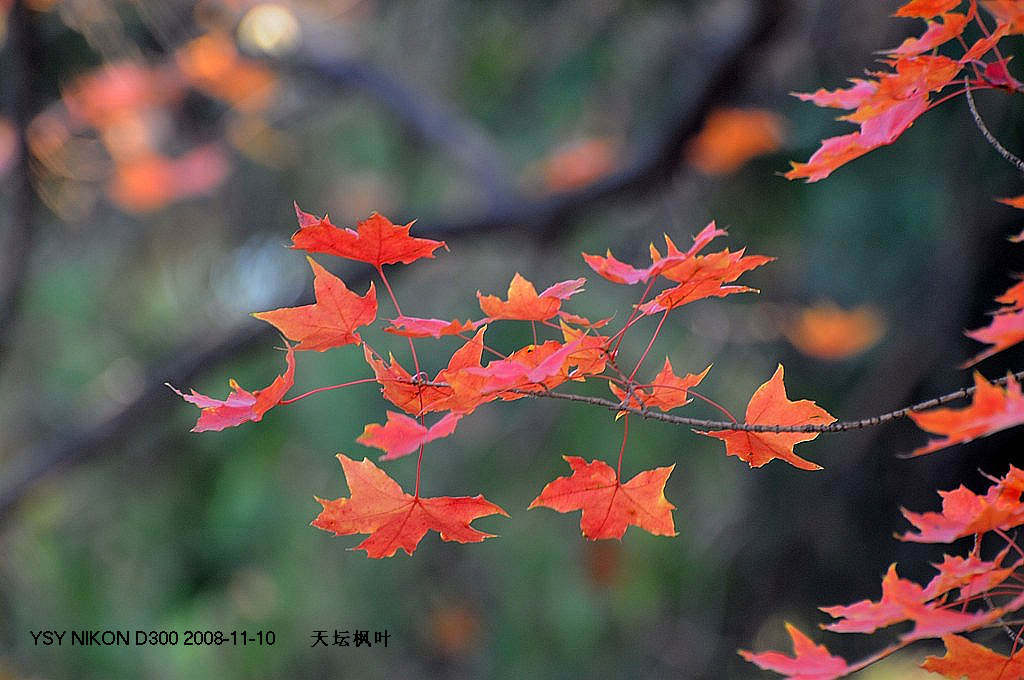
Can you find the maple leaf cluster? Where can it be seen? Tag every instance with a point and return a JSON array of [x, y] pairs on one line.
[[885, 104], [397, 520], [967, 594]]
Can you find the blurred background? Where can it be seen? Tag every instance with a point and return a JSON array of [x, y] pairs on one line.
[[149, 157]]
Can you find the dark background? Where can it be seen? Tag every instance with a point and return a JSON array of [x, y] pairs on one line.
[[114, 516]]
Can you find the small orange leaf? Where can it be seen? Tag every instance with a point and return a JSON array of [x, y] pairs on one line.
[[731, 137], [579, 163], [993, 408], [525, 304], [771, 406], [827, 331]]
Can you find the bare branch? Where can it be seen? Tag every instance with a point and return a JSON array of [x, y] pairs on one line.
[[989, 137]]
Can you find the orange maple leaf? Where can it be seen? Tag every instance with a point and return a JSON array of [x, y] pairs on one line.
[[827, 331], [398, 386], [393, 519], [608, 505], [926, 9], [993, 408], [666, 391], [936, 34], [966, 659], [809, 661], [771, 406], [1008, 12], [1013, 201], [730, 137], [375, 241], [524, 304], [241, 406], [402, 435], [619, 272], [332, 320]]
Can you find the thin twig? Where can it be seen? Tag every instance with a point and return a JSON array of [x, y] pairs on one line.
[[838, 426], [989, 137]]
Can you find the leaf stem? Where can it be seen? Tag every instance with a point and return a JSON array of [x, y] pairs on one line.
[[285, 402], [650, 344], [622, 449]]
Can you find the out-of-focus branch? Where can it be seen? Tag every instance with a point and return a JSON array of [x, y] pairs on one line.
[[651, 169], [16, 245], [723, 67]]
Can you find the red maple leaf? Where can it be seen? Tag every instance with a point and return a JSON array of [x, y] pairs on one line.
[[375, 240], [525, 304], [393, 519], [608, 505], [809, 661], [332, 320], [903, 600], [620, 272], [402, 435], [993, 408], [241, 406], [771, 406], [965, 513], [936, 34], [1005, 331]]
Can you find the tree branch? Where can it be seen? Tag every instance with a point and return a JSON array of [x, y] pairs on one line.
[[989, 137], [838, 426], [22, 51], [651, 170]]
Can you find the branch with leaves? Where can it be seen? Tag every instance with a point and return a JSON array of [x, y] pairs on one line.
[[968, 594]]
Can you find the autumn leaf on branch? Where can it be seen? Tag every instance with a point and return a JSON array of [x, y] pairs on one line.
[[608, 505], [993, 408], [809, 661], [903, 600], [402, 435], [1004, 331], [667, 391], [375, 241], [241, 406], [415, 327], [332, 320], [888, 104], [771, 406], [966, 659], [524, 304], [394, 520], [965, 513], [620, 272]]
